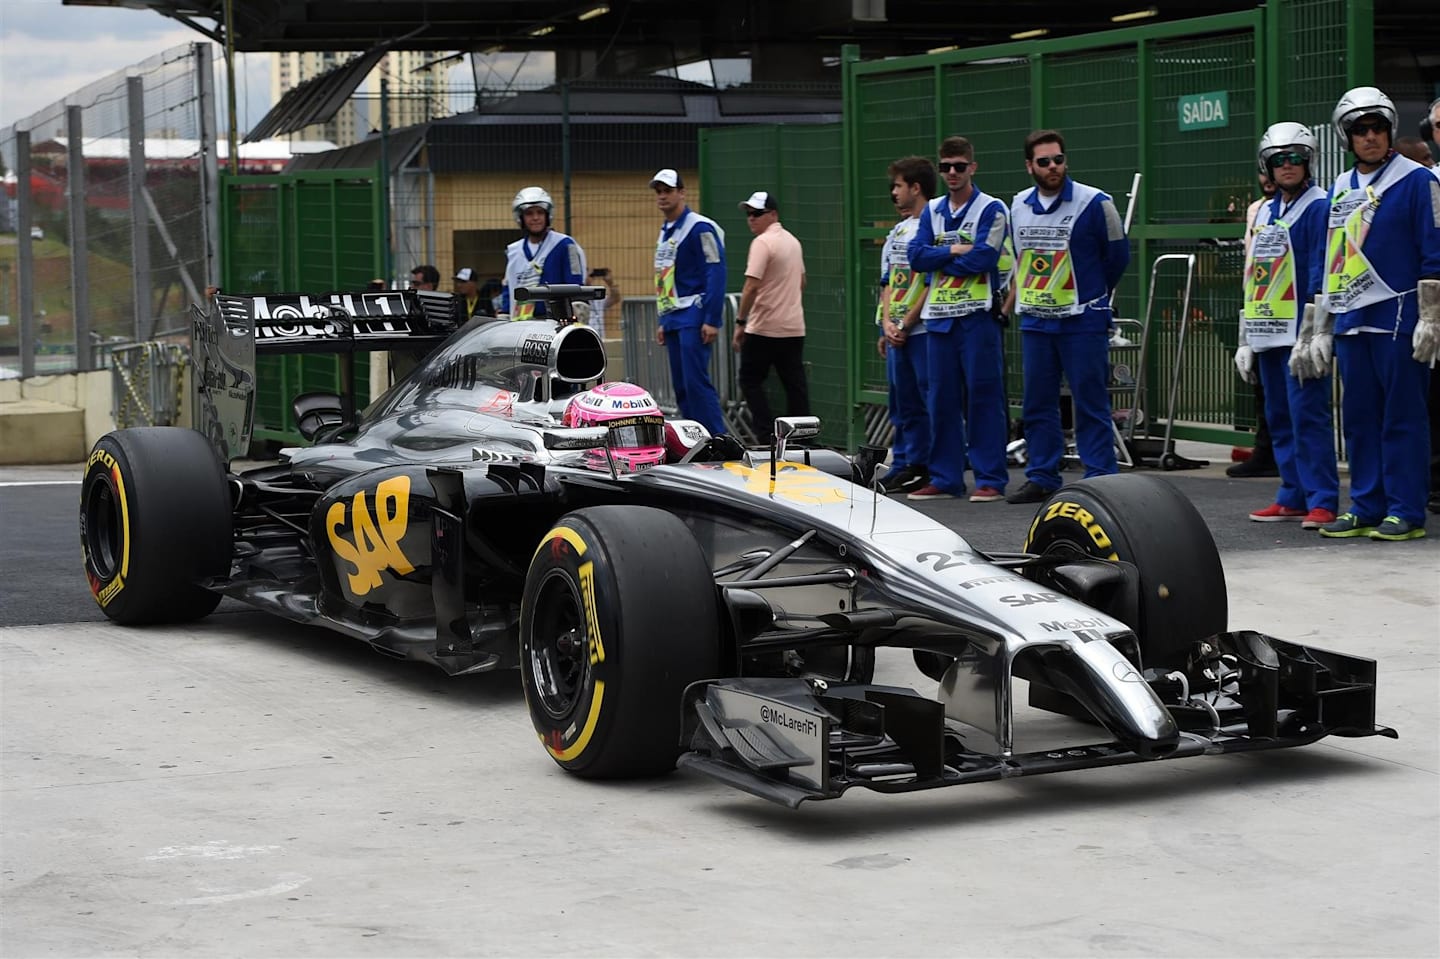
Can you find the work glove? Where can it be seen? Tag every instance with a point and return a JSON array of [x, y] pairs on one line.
[[1245, 364], [1426, 338], [1322, 344], [1300, 352]]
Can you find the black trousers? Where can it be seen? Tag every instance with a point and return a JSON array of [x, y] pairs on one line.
[[786, 354]]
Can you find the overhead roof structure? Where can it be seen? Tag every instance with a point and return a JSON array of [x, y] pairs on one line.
[[317, 99], [701, 28], [784, 40]]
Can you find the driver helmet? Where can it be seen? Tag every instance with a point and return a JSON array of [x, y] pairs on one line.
[[637, 427], [528, 197]]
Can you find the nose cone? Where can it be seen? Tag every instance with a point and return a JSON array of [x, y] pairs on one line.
[[1115, 693]]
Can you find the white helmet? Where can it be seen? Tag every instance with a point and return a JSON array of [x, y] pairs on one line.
[[1282, 137], [528, 197], [1359, 102]]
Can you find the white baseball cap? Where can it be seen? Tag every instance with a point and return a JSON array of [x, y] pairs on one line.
[[669, 178], [465, 275], [760, 200]]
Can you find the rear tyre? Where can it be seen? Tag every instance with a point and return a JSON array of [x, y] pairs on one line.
[[619, 615], [155, 518], [1146, 521]]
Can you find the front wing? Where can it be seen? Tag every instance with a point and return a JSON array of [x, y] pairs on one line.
[[789, 740]]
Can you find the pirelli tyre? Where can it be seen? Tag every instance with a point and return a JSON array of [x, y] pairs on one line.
[[1146, 521], [619, 615], [155, 518]]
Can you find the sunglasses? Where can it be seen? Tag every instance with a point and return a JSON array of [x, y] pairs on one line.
[[752, 214], [1043, 162], [1277, 160], [959, 166], [1370, 126]]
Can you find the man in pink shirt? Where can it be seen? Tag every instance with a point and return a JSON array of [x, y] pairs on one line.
[[770, 323]]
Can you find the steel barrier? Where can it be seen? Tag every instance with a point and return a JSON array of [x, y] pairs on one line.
[[647, 365], [147, 384]]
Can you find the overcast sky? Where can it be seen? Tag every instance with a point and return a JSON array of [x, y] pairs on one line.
[[48, 51]]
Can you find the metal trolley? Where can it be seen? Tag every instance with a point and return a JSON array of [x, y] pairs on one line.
[[1146, 449]]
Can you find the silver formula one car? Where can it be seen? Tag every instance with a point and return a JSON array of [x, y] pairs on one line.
[[722, 608]]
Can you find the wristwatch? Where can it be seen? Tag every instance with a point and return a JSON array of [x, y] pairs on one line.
[[739, 321]]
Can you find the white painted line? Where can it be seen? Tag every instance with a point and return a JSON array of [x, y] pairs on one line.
[[75, 482]]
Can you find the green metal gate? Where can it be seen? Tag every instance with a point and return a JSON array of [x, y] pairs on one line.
[[799, 164], [310, 232], [1118, 98]]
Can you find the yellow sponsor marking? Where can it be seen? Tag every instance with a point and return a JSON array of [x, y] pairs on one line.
[[1063, 509], [376, 540], [110, 592], [592, 617], [124, 524], [565, 533], [588, 730], [101, 456], [795, 482]]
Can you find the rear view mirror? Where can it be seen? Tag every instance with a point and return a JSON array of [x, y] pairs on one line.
[[316, 412], [791, 428], [796, 427]]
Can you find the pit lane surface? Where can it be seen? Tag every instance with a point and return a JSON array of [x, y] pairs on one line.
[[241, 786]]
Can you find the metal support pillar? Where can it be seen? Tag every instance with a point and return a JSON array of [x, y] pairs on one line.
[[139, 215], [79, 236], [209, 163], [25, 253], [565, 168]]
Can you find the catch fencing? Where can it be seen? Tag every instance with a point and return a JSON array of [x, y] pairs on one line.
[[110, 194]]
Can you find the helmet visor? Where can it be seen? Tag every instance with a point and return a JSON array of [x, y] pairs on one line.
[[636, 432]]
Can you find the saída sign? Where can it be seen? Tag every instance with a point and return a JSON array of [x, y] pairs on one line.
[[1201, 111]]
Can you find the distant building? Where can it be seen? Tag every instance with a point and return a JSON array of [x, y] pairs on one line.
[[107, 168]]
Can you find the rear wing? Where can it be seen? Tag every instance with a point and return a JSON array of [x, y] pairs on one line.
[[226, 337]]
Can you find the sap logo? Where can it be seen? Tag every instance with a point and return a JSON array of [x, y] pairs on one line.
[[1030, 599], [373, 543]]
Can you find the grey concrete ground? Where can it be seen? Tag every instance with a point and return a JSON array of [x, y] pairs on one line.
[[240, 787]]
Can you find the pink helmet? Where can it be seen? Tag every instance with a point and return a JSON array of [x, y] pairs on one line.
[[637, 427]]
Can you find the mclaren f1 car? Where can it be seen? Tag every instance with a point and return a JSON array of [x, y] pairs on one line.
[[721, 608]]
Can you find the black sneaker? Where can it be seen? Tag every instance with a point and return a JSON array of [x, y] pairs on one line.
[[1252, 468], [1029, 493], [906, 480]]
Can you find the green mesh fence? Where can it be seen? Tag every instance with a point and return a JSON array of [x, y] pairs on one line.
[[1311, 68], [313, 233], [898, 119], [1093, 99], [989, 105], [1205, 175], [801, 166]]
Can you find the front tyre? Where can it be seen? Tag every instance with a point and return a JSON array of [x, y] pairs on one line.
[[619, 615], [155, 518], [1145, 521]]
